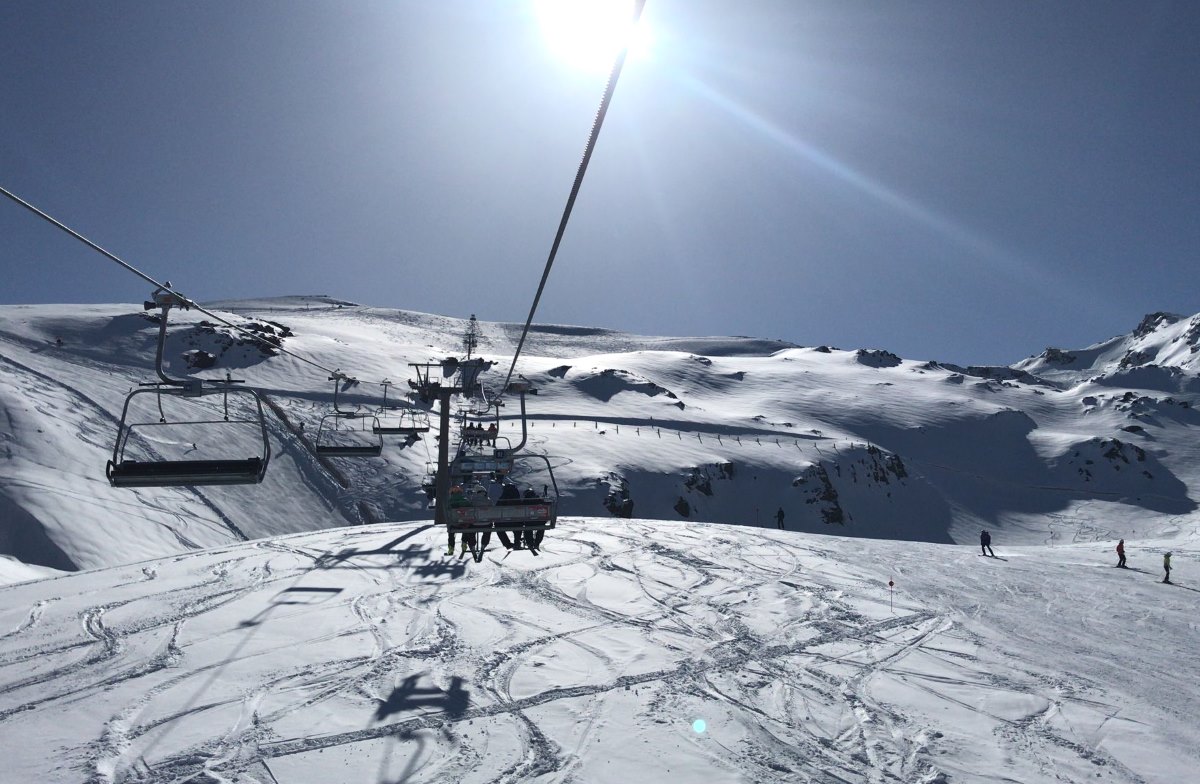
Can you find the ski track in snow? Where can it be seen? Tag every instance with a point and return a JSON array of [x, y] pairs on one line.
[[250, 661], [35, 615]]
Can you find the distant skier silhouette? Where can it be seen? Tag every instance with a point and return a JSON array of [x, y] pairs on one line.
[[1167, 567], [985, 543], [779, 518], [1121, 554]]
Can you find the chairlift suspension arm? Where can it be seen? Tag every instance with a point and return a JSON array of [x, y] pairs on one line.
[[441, 509], [162, 341], [336, 377], [524, 430]]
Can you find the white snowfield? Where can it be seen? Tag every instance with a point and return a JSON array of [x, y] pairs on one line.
[[240, 634], [365, 655]]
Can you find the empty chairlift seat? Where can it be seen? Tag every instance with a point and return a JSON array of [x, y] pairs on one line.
[[135, 473], [148, 469], [401, 422], [345, 433], [349, 435]]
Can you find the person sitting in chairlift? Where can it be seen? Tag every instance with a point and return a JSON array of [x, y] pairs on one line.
[[509, 494], [533, 540], [457, 499], [477, 495]]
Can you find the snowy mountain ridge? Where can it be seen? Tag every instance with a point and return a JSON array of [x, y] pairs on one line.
[[340, 643], [860, 443], [1162, 351]]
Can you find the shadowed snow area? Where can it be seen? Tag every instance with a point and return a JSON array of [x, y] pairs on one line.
[[364, 655]]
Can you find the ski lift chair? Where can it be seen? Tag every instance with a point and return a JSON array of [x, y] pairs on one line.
[[330, 438], [124, 470], [526, 515], [399, 420], [333, 440], [405, 423]]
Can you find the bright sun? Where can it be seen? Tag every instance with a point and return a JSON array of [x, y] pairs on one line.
[[587, 34]]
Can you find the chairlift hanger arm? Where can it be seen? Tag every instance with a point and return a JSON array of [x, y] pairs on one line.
[[164, 300]]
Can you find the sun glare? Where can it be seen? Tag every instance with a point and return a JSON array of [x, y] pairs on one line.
[[588, 34]]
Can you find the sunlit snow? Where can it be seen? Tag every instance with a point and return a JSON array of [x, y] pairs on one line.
[[241, 634]]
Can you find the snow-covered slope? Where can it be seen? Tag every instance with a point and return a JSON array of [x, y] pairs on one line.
[[629, 651], [1162, 352], [860, 443]]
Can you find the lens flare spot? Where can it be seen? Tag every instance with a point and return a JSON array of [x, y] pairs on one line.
[[699, 726]]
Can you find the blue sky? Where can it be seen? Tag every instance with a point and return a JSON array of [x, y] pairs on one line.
[[964, 181]]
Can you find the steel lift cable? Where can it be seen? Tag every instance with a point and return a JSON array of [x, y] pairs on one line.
[[583, 164], [184, 301]]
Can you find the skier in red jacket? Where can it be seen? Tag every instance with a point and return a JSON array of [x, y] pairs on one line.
[[1121, 554]]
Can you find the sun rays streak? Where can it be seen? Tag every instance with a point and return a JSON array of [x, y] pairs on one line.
[[979, 249]]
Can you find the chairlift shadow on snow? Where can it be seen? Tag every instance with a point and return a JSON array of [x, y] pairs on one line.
[[333, 560], [411, 767], [407, 697], [296, 595], [451, 569], [395, 557], [408, 442]]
